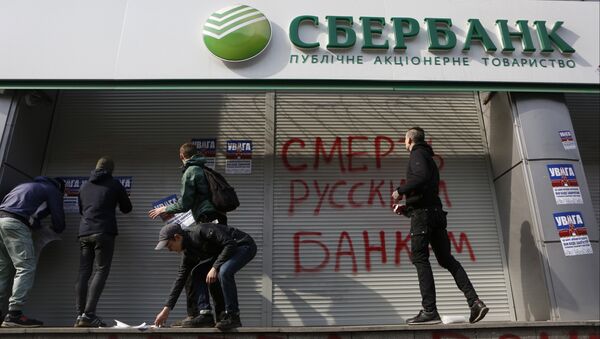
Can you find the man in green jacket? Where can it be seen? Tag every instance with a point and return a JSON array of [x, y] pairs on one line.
[[195, 196], [195, 193]]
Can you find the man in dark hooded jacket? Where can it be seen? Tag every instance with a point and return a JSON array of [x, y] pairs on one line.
[[428, 227], [226, 249], [98, 198], [195, 196], [20, 212]]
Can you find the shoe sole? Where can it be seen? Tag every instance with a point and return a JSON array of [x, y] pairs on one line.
[[481, 315], [430, 322], [13, 325]]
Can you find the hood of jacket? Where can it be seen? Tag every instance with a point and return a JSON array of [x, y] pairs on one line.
[[422, 145], [99, 175], [47, 180], [196, 160]]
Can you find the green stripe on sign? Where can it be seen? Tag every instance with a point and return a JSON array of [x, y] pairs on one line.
[[216, 21], [234, 24], [229, 11], [242, 35]]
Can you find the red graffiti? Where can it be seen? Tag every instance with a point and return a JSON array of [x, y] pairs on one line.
[[311, 242], [346, 153], [378, 195], [346, 156]]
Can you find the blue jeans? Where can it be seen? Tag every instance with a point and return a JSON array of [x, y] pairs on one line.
[[242, 256], [16, 250]]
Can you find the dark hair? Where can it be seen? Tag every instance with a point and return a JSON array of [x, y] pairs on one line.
[[417, 134], [188, 150]]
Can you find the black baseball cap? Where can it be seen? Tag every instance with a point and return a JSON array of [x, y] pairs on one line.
[[167, 233]]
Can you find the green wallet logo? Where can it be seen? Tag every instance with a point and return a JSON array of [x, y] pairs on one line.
[[237, 33]]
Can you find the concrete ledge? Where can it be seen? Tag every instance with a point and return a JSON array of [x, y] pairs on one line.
[[486, 330]]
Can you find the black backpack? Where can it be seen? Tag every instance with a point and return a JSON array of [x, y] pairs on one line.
[[222, 195]]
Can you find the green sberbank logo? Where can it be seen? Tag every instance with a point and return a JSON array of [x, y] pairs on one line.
[[237, 33]]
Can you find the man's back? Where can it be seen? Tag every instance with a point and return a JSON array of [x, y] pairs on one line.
[[98, 198], [33, 200]]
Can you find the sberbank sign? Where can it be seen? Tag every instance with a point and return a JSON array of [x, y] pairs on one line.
[[342, 35]]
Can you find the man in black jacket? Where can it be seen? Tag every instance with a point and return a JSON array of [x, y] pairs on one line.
[[229, 250], [98, 198], [428, 227]]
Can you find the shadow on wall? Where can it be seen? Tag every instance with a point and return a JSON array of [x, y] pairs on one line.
[[308, 305]]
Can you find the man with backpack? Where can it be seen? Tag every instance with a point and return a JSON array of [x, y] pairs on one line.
[[195, 192], [196, 196]]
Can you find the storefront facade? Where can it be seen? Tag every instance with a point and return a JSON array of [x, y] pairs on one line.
[[321, 121]]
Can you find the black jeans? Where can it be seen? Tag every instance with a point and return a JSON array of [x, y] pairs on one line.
[[428, 226], [197, 291], [96, 253]]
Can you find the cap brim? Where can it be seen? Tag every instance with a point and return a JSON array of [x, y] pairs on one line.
[[161, 244]]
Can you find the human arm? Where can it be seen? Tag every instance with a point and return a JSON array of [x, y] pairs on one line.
[[124, 201], [188, 191], [179, 283], [55, 205], [420, 173], [162, 316], [216, 234]]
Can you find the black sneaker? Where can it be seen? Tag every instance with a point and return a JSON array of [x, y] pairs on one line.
[[425, 318], [177, 323], [77, 320], [478, 311], [229, 321], [203, 320], [90, 321], [20, 321]]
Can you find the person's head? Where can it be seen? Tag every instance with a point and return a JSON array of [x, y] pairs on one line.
[[171, 237], [106, 163], [413, 136], [187, 151]]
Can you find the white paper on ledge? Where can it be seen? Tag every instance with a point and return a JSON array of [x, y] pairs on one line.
[[451, 319], [121, 324]]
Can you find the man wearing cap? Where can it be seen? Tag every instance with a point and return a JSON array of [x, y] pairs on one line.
[[20, 212], [226, 248], [98, 198], [195, 196]]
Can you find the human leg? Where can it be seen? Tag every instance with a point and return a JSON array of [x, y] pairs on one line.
[[104, 245], [86, 261], [19, 247], [242, 256]]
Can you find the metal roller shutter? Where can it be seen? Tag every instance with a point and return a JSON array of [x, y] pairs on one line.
[[142, 131], [329, 265], [585, 117]]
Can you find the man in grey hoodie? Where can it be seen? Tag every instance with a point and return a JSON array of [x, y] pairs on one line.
[[20, 212], [98, 198]]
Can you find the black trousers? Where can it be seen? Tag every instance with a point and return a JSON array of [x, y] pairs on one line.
[[96, 253], [197, 291], [428, 226]]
